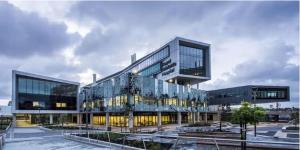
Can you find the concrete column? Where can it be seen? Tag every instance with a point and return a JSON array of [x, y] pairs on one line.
[[193, 117], [130, 120], [205, 117], [198, 117], [51, 119], [79, 119], [179, 118], [29, 116], [14, 120], [91, 119], [159, 118], [107, 120]]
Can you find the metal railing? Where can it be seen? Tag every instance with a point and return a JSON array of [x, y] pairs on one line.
[[3, 136], [144, 137], [217, 144], [73, 135]]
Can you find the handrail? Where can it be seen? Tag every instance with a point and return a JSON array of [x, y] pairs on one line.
[[3, 135], [216, 143], [144, 143], [203, 138], [233, 140], [214, 140]]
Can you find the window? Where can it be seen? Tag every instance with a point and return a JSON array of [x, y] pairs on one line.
[[29, 86], [22, 85], [35, 104], [41, 87], [191, 61], [151, 70], [271, 94], [165, 52], [35, 87], [61, 105], [35, 93]]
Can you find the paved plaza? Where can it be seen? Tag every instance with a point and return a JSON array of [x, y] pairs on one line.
[[37, 139]]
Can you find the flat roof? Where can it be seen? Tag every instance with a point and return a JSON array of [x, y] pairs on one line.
[[16, 72]]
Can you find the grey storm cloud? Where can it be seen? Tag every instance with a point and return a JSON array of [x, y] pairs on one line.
[[274, 65], [24, 34], [117, 29], [271, 69]]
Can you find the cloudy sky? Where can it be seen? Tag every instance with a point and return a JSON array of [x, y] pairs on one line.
[[252, 42]]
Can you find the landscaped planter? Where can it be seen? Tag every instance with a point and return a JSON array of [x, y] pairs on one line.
[[290, 129], [59, 127], [117, 138]]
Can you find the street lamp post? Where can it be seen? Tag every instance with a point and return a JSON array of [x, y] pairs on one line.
[[220, 116], [254, 103], [39, 120], [86, 110]]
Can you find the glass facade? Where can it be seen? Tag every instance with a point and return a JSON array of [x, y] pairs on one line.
[[151, 70], [191, 61], [142, 94], [155, 58], [272, 93], [40, 94], [140, 119]]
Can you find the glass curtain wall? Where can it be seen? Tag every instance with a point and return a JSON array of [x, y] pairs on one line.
[[39, 94], [191, 61], [148, 95]]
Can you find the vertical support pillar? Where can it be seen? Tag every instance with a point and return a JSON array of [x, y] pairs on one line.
[[51, 119], [79, 119], [159, 119], [91, 119], [205, 117], [14, 120], [107, 125], [198, 117], [30, 121], [130, 121], [179, 118], [193, 117]]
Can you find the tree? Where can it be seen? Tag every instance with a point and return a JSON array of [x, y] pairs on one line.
[[247, 114], [295, 118]]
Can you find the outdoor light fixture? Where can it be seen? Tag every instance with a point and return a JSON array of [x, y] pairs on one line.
[[134, 71]]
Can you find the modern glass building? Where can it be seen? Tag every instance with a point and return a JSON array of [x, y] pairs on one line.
[[153, 90], [39, 99]]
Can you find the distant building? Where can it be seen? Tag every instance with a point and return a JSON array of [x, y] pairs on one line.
[[5, 111], [235, 95], [37, 99]]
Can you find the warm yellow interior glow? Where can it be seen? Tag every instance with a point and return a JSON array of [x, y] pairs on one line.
[[35, 104], [61, 105]]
